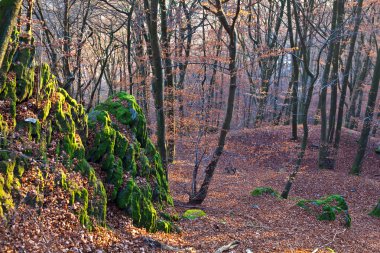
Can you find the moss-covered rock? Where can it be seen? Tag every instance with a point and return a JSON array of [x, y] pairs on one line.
[[377, 149], [119, 143], [193, 214], [3, 131], [259, 191], [327, 208]]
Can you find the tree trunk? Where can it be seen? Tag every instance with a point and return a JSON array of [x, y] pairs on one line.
[[199, 196], [324, 149], [8, 16], [151, 10], [171, 133], [357, 90], [346, 73], [335, 71], [356, 167], [295, 74]]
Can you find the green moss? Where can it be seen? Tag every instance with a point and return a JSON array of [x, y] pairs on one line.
[[169, 217], [6, 201], [137, 202], [98, 203], [48, 82], [377, 150], [7, 168], [376, 211], [165, 226], [44, 113], [61, 181], [126, 110], [329, 207], [34, 130], [3, 132], [80, 195], [259, 191], [73, 146], [23, 67], [193, 214]]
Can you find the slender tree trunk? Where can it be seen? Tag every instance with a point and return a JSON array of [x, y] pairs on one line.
[[314, 78], [199, 196], [324, 149], [346, 73], [151, 11], [171, 124], [356, 167], [357, 90], [335, 71], [295, 73], [129, 44], [68, 78]]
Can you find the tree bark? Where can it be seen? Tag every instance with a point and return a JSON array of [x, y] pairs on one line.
[[356, 167], [323, 149], [171, 124], [151, 11], [199, 196], [8, 16], [295, 74], [335, 71], [346, 73]]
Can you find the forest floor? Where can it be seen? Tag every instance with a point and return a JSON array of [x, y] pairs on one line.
[[264, 157]]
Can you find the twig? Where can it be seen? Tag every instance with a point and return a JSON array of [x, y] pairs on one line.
[[324, 245], [229, 246]]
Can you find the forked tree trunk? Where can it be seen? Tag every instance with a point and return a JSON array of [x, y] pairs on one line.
[[199, 196], [306, 105]]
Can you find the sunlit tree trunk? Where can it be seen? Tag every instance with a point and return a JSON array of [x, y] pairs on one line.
[[8, 16], [171, 124]]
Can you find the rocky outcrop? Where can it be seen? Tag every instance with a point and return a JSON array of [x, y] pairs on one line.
[[44, 129]]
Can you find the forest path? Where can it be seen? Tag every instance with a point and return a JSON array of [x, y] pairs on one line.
[[264, 157]]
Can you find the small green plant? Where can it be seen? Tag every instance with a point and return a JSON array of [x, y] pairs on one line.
[[259, 191], [376, 211], [193, 214], [327, 208]]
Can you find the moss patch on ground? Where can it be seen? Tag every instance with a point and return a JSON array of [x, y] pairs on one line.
[[193, 214], [260, 191], [376, 211], [328, 208]]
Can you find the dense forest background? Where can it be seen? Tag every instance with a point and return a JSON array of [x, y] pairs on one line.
[[284, 94]]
